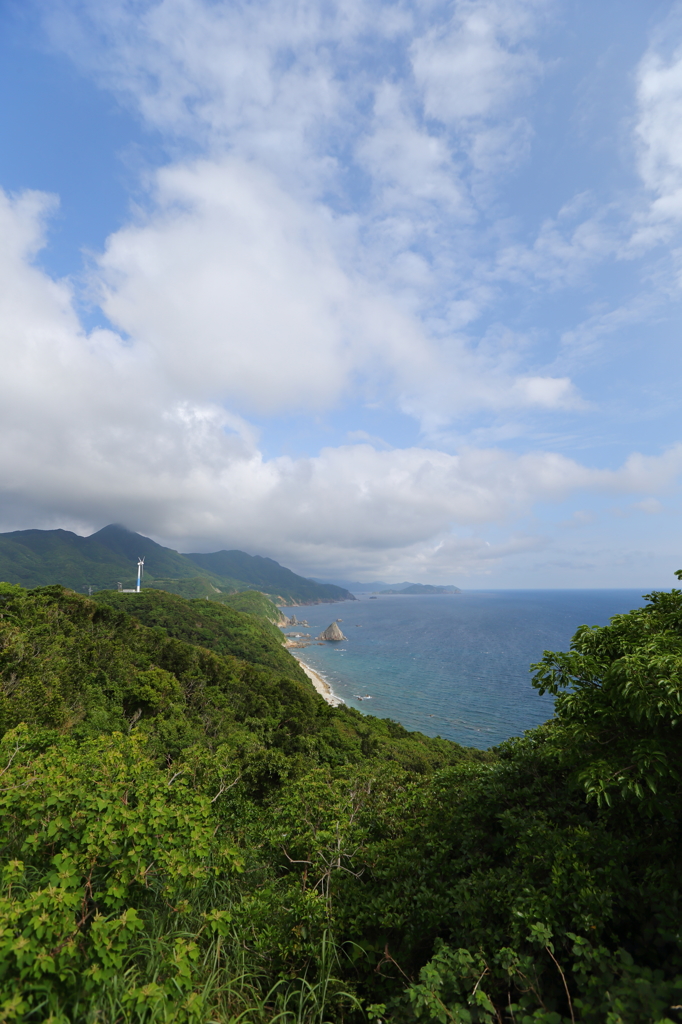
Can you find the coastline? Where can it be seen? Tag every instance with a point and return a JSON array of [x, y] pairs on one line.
[[320, 684]]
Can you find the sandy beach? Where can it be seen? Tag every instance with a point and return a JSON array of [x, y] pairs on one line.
[[322, 687]]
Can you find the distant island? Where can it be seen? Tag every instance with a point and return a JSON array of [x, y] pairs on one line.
[[423, 588], [382, 587]]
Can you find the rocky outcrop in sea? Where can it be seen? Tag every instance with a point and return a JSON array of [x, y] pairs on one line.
[[293, 621], [332, 632]]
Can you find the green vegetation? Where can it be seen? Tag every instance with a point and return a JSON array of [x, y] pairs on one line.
[[195, 586], [218, 626], [40, 557], [189, 833], [267, 575], [254, 603], [33, 558]]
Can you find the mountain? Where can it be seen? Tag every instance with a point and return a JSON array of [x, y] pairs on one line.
[[423, 588], [360, 588], [33, 558], [266, 574]]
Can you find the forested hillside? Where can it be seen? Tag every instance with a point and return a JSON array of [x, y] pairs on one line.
[[32, 558], [253, 637], [189, 833], [268, 576]]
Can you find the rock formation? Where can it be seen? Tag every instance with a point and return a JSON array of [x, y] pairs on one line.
[[332, 632], [293, 621]]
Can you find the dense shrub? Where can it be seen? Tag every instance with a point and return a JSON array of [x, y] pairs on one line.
[[189, 833]]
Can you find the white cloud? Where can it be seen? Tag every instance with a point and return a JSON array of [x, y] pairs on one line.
[[477, 63], [250, 297], [98, 430], [548, 392], [644, 473], [265, 78], [564, 249], [408, 165], [314, 94], [237, 290], [335, 235], [603, 323], [659, 134], [240, 274], [246, 279]]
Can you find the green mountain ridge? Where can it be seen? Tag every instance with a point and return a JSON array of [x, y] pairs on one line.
[[265, 573], [34, 558]]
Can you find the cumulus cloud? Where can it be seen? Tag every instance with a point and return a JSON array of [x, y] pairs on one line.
[[659, 135], [237, 289], [409, 165], [479, 61], [256, 258], [548, 392], [98, 429], [317, 96], [247, 296], [331, 236], [268, 78]]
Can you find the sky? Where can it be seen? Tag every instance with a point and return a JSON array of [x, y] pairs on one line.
[[380, 290]]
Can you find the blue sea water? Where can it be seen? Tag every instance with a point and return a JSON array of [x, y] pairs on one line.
[[454, 666]]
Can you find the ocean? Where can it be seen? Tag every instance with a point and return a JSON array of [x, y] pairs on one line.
[[453, 666]]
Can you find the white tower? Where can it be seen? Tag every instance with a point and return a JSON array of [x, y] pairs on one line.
[[140, 570]]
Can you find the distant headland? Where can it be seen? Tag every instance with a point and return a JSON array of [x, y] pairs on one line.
[[422, 588], [382, 587]]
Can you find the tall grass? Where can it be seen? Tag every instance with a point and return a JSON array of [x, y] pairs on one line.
[[230, 984]]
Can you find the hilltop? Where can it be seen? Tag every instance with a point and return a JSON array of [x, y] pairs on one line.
[[35, 558]]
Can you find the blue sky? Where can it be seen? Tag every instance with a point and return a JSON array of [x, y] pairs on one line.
[[382, 290]]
